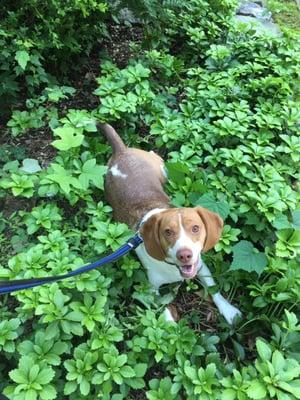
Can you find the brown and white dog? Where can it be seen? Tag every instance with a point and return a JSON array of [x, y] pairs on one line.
[[173, 237]]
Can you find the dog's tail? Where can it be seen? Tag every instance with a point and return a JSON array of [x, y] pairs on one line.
[[113, 138]]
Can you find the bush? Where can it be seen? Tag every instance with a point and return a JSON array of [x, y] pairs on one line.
[[42, 39], [225, 117]]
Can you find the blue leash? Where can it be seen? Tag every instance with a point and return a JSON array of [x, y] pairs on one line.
[[20, 284]]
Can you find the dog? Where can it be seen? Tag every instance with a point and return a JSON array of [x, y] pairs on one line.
[[173, 238]]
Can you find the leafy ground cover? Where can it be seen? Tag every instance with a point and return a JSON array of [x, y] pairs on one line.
[[219, 103], [286, 14]]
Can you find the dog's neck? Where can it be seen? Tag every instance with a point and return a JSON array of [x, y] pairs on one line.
[[147, 212]]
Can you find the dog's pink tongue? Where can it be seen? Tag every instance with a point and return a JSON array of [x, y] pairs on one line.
[[187, 271]]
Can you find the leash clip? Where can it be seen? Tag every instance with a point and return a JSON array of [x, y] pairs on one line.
[[135, 241]]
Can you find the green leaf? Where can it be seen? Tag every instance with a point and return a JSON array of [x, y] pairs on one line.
[[48, 393], [281, 222], [263, 350], [22, 57], [176, 171], [296, 219], [228, 394], [256, 390], [70, 387], [190, 372], [85, 387], [127, 372], [18, 376], [140, 369], [208, 201], [31, 394], [63, 178], [92, 173], [278, 361], [291, 387], [117, 378], [69, 138], [247, 258]]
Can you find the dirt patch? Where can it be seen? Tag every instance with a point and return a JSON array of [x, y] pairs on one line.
[[198, 309], [118, 47]]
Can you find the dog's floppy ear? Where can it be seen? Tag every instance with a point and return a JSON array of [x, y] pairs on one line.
[[150, 234], [213, 225]]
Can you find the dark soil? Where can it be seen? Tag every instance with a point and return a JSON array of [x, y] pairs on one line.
[[118, 47], [197, 309]]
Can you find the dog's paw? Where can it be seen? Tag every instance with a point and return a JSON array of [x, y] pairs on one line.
[[229, 312], [170, 314]]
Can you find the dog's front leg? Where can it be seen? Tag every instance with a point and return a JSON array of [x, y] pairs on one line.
[[158, 275], [225, 308]]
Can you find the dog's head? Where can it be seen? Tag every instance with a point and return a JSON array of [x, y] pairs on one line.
[[179, 235]]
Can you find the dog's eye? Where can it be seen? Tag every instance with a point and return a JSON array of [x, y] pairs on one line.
[[168, 232], [195, 229]]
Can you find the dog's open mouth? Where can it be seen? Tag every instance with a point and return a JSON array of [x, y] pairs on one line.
[[188, 271]]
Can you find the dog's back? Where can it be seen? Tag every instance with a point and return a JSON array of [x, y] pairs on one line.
[[133, 183]]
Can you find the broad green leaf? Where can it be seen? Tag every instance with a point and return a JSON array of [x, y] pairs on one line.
[[263, 350], [11, 166], [256, 390], [48, 393], [31, 394], [127, 372], [121, 360], [117, 397], [33, 373], [135, 383], [277, 361], [69, 138], [247, 258], [18, 376], [91, 172], [140, 369], [281, 222], [209, 202], [70, 387], [228, 394], [177, 170], [63, 178], [296, 219], [85, 387], [22, 57], [117, 377], [190, 372]]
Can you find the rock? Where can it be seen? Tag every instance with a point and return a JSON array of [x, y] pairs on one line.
[[261, 26], [126, 15], [253, 9]]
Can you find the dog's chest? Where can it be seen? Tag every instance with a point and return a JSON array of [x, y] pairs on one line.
[[159, 272]]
